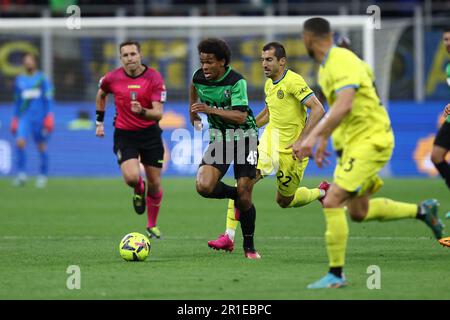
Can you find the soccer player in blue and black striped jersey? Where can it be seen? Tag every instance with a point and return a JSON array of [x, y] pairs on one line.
[[33, 114]]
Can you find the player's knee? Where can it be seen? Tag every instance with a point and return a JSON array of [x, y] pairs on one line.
[[283, 202], [328, 202], [131, 179], [204, 188], [437, 157], [356, 215]]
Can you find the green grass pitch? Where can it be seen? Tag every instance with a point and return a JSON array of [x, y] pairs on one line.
[[81, 221]]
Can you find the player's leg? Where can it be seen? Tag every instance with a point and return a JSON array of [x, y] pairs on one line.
[[363, 209], [40, 138], [264, 167], [21, 135], [131, 175], [289, 177], [336, 236], [41, 180], [247, 216], [127, 154], [438, 154], [152, 158], [208, 183], [440, 149], [211, 170], [153, 199], [245, 164], [225, 241], [348, 178]]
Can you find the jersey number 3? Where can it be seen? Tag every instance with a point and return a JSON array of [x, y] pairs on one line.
[[350, 165]]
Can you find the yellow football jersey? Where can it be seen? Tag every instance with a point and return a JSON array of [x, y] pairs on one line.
[[337, 137], [285, 100], [368, 118]]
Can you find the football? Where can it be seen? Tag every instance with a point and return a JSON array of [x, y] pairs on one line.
[[134, 247]]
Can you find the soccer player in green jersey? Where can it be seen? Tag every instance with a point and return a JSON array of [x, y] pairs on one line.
[[367, 147], [441, 144], [222, 93], [287, 98]]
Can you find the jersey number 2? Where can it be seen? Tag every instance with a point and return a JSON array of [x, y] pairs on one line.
[[280, 175]]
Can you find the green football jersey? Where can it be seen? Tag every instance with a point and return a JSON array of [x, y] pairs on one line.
[[228, 93]]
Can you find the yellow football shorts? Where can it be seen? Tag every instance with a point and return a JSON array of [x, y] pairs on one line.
[[359, 166], [289, 172]]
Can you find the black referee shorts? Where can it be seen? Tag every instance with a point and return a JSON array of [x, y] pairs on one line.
[[243, 153], [443, 136], [145, 144]]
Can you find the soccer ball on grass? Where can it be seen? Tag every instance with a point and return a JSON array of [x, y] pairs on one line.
[[134, 247]]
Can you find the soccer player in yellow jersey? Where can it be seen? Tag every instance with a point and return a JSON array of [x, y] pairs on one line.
[[337, 134], [368, 144], [287, 99]]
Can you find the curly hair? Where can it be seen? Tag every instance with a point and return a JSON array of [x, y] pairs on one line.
[[218, 47]]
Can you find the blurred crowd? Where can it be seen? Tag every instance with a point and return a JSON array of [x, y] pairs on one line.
[[37, 8]]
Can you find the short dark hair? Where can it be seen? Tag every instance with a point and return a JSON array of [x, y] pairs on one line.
[[130, 43], [280, 52], [318, 26], [217, 47], [447, 29]]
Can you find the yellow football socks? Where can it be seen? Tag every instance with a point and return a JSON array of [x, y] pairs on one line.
[[336, 235], [384, 209], [303, 196], [232, 223]]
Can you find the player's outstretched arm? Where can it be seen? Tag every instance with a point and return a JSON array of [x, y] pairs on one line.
[[100, 106], [262, 118]]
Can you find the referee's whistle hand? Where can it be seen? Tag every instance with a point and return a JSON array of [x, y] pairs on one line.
[[136, 107]]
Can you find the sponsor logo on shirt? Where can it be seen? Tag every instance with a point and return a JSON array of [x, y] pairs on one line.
[[31, 93], [134, 86]]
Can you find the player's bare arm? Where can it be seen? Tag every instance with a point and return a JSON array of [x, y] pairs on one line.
[[341, 107], [193, 98], [262, 118], [154, 113], [232, 116], [321, 153], [316, 113], [100, 106]]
